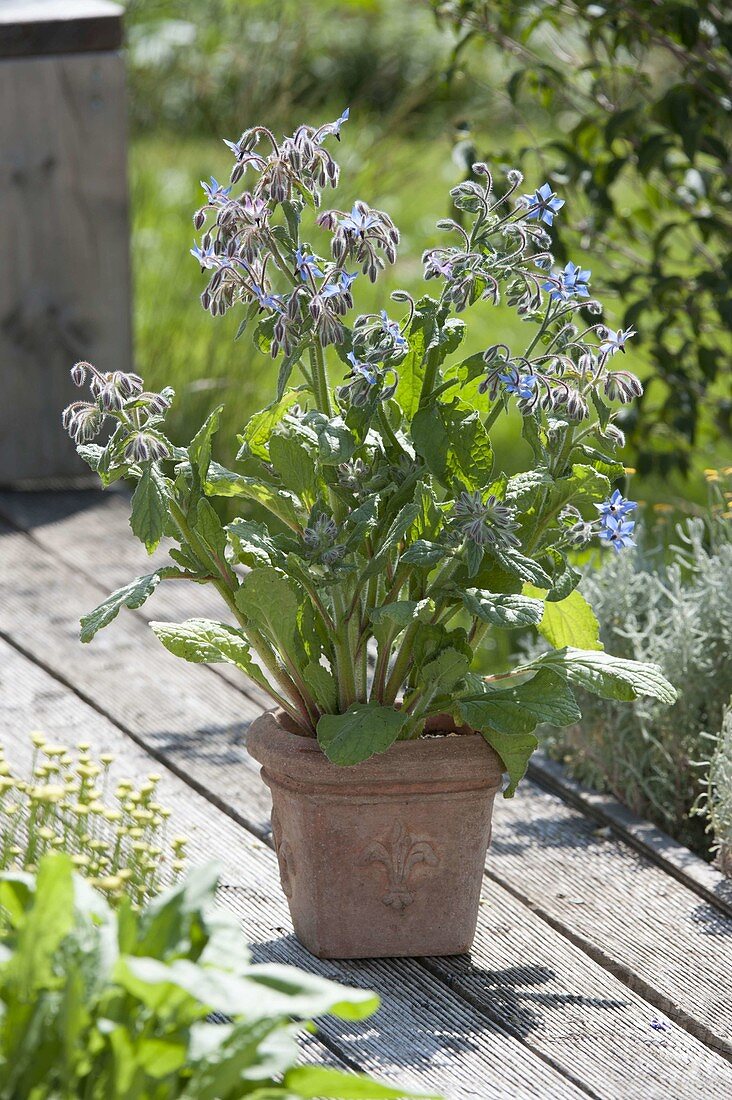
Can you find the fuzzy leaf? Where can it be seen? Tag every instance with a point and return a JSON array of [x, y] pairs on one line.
[[131, 595], [521, 566], [506, 716], [503, 609], [334, 1084], [295, 466], [271, 602], [202, 641], [444, 672], [607, 676], [424, 553], [454, 443], [255, 437], [363, 730], [199, 450], [149, 507], [281, 503]]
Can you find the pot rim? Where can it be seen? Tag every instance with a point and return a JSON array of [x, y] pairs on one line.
[[458, 763]]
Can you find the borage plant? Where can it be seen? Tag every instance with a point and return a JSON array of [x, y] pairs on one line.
[[394, 540]]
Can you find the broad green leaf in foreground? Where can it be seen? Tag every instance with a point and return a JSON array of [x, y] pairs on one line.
[[363, 730], [333, 1084], [507, 716]]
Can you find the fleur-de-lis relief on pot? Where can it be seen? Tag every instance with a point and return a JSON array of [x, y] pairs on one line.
[[284, 856], [400, 854]]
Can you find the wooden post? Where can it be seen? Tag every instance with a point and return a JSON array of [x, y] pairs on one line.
[[64, 231]]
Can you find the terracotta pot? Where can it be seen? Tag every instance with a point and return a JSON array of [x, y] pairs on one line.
[[384, 858]]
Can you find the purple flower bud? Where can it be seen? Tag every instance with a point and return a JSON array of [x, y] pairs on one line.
[[78, 372]]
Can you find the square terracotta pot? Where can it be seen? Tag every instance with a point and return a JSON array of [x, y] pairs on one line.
[[384, 858]]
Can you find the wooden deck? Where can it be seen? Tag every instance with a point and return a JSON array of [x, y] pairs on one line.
[[603, 961]]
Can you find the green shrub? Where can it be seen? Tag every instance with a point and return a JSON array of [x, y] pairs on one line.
[[110, 1005], [116, 838], [678, 614]]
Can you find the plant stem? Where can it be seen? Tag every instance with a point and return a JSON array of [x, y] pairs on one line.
[[320, 379]]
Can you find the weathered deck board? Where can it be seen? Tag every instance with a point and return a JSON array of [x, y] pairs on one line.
[[425, 1036], [673, 857], [523, 975]]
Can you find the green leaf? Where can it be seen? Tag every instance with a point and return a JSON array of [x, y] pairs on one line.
[[294, 464], [515, 750], [286, 367], [585, 485], [424, 553], [281, 503], [506, 716], [363, 730], [570, 621], [202, 641], [149, 507], [255, 437], [522, 490], [443, 673], [131, 595], [396, 532], [211, 533], [252, 543], [421, 336], [322, 1081], [521, 566], [607, 676], [502, 609], [272, 603], [336, 443], [453, 442], [199, 450], [322, 684], [402, 612]]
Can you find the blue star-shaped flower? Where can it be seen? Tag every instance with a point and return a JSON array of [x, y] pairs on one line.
[[206, 256], [306, 266], [543, 204], [615, 341], [359, 221], [522, 385], [215, 192], [571, 282], [618, 532], [363, 369], [345, 280], [267, 301], [391, 328], [617, 507]]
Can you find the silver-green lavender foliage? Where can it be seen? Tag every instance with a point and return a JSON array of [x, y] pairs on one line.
[[678, 615], [715, 801]]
